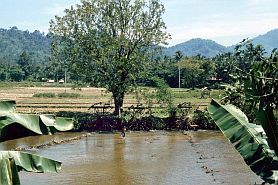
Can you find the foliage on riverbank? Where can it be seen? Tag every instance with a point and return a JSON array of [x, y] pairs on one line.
[[108, 122]]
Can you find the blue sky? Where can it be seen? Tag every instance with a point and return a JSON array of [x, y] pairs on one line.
[[225, 21]]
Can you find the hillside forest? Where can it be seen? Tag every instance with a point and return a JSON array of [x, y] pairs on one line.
[[26, 56]]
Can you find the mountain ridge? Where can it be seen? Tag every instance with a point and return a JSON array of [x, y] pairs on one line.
[[268, 40], [38, 45], [195, 46]]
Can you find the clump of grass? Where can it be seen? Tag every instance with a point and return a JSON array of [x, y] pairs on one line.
[[196, 93], [188, 94], [68, 95], [5, 85], [44, 95]]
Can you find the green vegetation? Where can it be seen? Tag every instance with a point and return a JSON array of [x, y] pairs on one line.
[[249, 139], [255, 91], [193, 47], [24, 55], [196, 70], [38, 46], [29, 71], [14, 125], [118, 45], [44, 95], [11, 162], [14, 41], [68, 95], [59, 95]]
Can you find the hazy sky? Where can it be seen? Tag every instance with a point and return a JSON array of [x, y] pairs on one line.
[[225, 21]]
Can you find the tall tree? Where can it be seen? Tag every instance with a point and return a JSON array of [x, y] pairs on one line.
[[3, 71], [16, 73], [109, 41], [224, 66], [164, 68], [196, 70], [24, 63]]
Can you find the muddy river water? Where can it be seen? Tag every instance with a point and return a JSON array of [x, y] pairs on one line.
[[153, 158]]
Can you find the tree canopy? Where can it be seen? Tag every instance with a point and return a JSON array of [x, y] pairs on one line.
[[108, 42]]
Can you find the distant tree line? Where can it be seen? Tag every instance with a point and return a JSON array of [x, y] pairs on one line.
[[195, 71], [26, 69]]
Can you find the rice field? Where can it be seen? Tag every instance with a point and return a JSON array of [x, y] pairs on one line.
[[88, 96]]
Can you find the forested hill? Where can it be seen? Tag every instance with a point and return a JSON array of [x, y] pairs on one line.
[[197, 46], [268, 40], [210, 48], [14, 42]]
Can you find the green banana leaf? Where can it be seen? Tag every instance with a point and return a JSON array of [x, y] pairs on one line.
[[59, 123], [64, 124], [29, 121], [249, 140], [8, 172], [14, 125], [11, 162], [7, 106]]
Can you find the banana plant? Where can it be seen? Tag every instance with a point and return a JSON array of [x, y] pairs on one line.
[[33, 123], [7, 106], [11, 162], [257, 142], [249, 139]]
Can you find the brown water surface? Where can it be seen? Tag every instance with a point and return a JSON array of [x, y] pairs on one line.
[[160, 158]]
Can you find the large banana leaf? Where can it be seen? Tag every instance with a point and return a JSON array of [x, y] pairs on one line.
[[8, 172], [7, 106], [63, 124], [13, 161], [14, 125], [29, 121], [59, 123], [249, 140]]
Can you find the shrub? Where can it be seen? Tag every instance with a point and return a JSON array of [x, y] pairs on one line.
[[203, 120], [68, 95], [44, 95]]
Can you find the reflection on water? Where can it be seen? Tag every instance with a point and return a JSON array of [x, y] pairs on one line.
[[141, 159]]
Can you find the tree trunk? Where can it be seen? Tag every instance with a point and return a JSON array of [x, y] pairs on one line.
[[118, 102]]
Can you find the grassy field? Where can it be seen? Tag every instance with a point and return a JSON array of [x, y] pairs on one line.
[[23, 94]]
